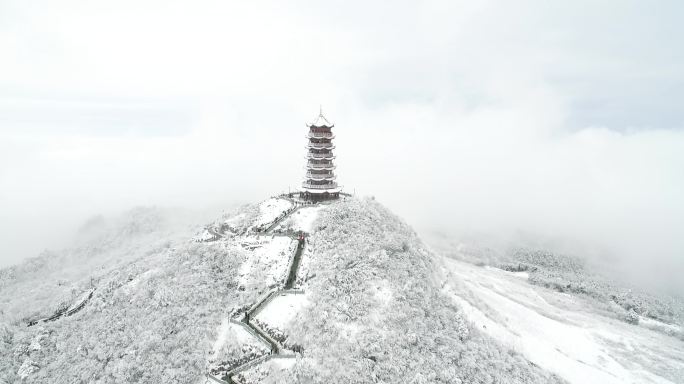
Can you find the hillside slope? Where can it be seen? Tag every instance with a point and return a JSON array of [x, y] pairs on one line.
[[586, 321], [156, 300], [374, 312], [157, 306]]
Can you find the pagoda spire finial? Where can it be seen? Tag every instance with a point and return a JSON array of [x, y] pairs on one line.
[[320, 109]]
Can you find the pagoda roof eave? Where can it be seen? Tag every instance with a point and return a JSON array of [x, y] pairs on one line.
[[331, 157], [314, 136], [321, 121], [322, 177], [320, 126]]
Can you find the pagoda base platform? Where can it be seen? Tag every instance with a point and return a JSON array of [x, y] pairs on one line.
[[309, 195]]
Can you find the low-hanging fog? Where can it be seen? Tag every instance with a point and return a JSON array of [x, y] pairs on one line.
[[559, 122]]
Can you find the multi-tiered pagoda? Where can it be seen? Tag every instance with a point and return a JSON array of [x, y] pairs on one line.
[[320, 180]]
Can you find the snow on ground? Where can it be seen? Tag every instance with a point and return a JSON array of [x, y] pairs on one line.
[[35, 343], [242, 336], [232, 332], [223, 332], [27, 368], [282, 309], [659, 325], [559, 332], [522, 275], [269, 261], [285, 363], [235, 219], [304, 272], [130, 286], [382, 292], [204, 236], [303, 219], [270, 209], [81, 299], [271, 368]]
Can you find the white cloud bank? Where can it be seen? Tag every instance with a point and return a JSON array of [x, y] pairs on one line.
[[499, 118]]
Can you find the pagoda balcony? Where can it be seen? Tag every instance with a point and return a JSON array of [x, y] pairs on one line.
[[321, 146], [321, 176], [319, 186], [318, 174], [320, 166], [320, 135], [327, 156]]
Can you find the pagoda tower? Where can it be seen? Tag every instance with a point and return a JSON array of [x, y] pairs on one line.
[[320, 180]]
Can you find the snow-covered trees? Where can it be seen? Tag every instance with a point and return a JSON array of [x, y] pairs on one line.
[[377, 314], [157, 302], [603, 283], [375, 311], [148, 326], [569, 274]]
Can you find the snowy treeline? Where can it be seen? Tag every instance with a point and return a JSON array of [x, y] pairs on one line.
[[573, 275], [569, 274], [603, 284]]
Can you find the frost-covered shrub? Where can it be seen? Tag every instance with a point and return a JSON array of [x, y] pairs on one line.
[[632, 317], [231, 356]]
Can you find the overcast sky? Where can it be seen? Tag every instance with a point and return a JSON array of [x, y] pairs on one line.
[[554, 119]]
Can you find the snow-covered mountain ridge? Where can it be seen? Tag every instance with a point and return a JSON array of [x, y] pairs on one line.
[[368, 303]]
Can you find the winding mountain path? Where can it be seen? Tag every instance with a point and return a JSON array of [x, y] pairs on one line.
[[292, 275], [277, 350], [67, 311]]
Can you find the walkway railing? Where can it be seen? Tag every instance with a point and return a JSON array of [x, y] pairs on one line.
[[64, 312]]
